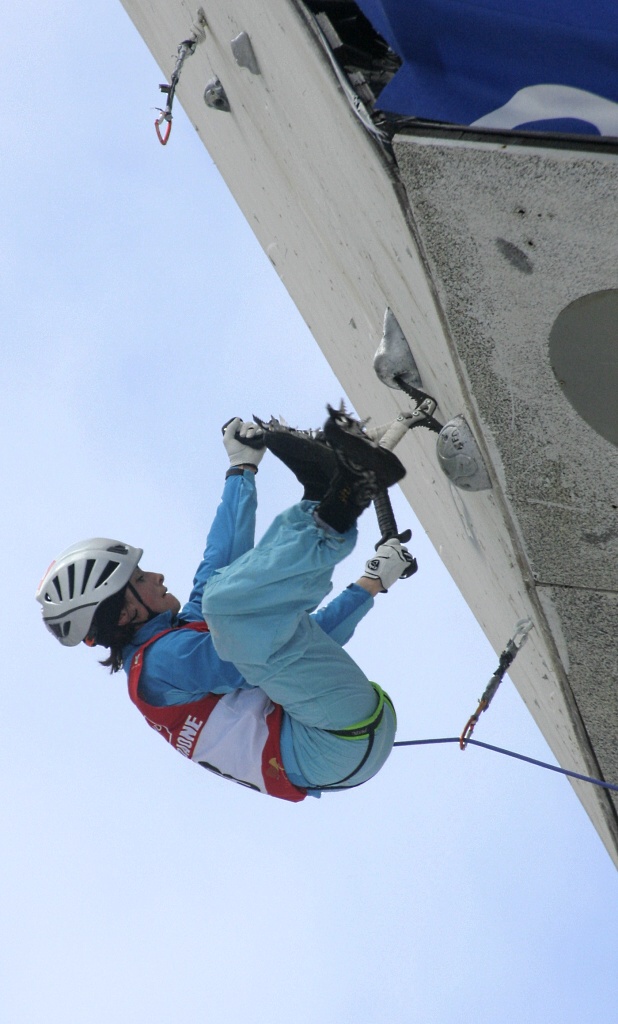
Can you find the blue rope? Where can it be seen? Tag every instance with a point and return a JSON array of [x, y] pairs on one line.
[[511, 753]]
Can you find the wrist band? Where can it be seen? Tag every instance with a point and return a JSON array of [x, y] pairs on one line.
[[237, 471]]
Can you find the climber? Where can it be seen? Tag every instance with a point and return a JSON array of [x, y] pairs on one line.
[[247, 679]]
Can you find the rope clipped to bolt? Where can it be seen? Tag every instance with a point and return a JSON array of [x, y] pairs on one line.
[[186, 49], [507, 658]]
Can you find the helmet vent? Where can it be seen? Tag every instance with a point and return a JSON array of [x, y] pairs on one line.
[[87, 571], [119, 549], [81, 582], [107, 572]]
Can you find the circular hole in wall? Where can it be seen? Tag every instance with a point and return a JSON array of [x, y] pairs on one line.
[[583, 349]]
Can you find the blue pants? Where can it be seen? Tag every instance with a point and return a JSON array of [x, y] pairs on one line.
[[257, 609]]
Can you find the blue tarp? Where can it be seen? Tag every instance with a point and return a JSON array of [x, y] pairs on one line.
[[540, 65]]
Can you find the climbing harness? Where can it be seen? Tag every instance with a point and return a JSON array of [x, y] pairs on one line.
[[507, 657], [365, 729], [186, 49]]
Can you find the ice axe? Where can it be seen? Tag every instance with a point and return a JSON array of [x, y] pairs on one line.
[[459, 455], [382, 502]]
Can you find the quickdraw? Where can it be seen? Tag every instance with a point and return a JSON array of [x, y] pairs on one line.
[[507, 657], [186, 49]]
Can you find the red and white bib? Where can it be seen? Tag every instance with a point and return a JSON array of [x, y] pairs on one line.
[[236, 735]]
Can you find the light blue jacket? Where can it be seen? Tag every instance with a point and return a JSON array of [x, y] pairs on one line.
[[183, 666]]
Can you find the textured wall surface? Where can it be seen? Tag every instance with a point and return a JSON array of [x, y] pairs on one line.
[[512, 237]]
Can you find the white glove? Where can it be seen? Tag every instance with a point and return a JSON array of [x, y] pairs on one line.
[[239, 451], [389, 563]]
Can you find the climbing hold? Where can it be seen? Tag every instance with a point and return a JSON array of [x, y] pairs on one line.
[[244, 54], [460, 457], [393, 361]]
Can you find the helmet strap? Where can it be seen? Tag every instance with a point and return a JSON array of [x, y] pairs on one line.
[[151, 614]]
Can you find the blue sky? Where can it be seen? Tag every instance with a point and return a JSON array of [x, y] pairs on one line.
[[139, 314]]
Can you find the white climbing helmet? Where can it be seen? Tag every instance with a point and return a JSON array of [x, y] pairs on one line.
[[80, 579]]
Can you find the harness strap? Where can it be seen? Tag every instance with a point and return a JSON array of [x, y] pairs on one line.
[[362, 730], [367, 727]]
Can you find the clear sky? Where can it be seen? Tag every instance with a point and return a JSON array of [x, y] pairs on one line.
[[139, 314]]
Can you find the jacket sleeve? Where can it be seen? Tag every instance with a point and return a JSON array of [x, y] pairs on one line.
[[231, 534], [340, 617]]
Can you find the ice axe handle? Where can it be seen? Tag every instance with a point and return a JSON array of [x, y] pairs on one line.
[[382, 502]]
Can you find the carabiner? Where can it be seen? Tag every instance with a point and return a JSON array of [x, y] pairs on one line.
[[165, 116], [469, 726]]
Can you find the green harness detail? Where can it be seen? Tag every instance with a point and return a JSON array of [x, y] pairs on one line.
[[364, 730]]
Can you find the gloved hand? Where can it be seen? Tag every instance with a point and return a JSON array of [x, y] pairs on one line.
[[389, 563], [234, 434]]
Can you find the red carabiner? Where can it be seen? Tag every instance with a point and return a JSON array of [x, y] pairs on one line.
[[164, 117], [469, 726]]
